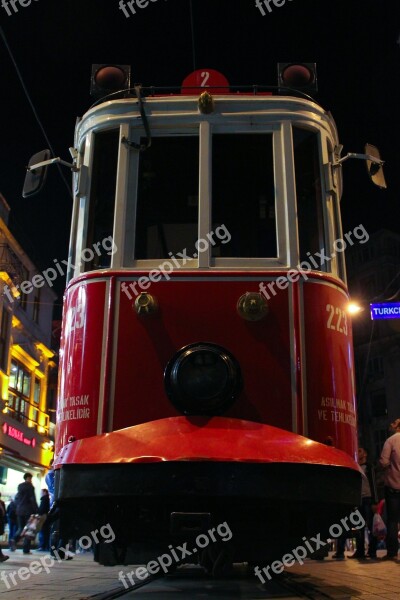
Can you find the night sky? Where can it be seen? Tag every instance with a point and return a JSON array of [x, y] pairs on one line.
[[355, 43]]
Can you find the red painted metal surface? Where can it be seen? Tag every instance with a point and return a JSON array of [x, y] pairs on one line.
[[331, 408], [204, 80], [200, 438], [80, 362], [203, 310], [200, 306]]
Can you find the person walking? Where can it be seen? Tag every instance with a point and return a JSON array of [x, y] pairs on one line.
[[12, 520], [26, 506], [44, 533], [369, 499], [3, 557], [390, 461]]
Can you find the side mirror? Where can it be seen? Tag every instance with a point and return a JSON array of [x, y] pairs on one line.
[[375, 168], [36, 174]]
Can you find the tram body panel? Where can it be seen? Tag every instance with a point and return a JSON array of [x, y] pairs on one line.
[[82, 362], [331, 408], [202, 310]]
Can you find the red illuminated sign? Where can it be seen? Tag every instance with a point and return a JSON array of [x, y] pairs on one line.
[[205, 79], [18, 435]]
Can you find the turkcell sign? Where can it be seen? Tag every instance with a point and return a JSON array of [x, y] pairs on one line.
[[386, 310]]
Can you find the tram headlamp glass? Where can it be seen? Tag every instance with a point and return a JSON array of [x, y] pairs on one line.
[[202, 379], [298, 76], [109, 78]]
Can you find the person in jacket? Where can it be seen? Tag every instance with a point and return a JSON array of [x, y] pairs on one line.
[[390, 461], [3, 557], [44, 533], [12, 520], [25, 501], [369, 500]]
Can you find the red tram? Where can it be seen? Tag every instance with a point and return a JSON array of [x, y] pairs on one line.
[[206, 353]]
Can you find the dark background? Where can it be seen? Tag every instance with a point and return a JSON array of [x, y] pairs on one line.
[[356, 44]]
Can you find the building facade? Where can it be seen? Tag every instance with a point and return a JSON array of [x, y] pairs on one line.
[[26, 365], [374, 276]]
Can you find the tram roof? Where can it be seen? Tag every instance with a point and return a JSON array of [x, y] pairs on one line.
[[161, 108]]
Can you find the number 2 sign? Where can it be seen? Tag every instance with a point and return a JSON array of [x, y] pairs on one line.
[[214, 81]]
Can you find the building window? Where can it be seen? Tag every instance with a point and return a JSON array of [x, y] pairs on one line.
[[378, 404], [20, 381], [23, 298], [18, 408], [375, 367], [4, 338], [36, 391], [36, 306]]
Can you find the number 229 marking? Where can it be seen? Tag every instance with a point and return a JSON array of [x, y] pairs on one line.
[[76, 317], [337, 315]]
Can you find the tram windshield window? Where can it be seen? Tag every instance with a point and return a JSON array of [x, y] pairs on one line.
[[99, 242], [167, 204], [243, 195], [309, 194]]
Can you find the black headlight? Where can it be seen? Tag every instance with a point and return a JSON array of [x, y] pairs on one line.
[[202, 379]]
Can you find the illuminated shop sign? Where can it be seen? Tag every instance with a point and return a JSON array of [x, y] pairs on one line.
[[386, 310], [18, 435]]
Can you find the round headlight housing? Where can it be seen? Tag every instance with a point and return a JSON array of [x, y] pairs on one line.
[[202, 379]]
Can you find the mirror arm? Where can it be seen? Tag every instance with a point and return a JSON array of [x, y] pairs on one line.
[[53, 161], [369, 157]]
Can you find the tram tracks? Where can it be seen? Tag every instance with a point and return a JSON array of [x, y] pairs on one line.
[[293, 585]]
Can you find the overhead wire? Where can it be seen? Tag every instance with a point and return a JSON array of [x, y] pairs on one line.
[[26, 92], [193, 38]]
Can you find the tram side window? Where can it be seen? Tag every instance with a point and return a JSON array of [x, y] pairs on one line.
[[309, 194], [167, 203], [243, 195], [99, 242]]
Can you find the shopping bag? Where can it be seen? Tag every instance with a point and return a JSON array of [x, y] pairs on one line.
[[378, 527], [33, 526]]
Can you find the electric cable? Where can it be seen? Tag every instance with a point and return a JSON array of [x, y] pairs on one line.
[[193, 40], [19, 74]]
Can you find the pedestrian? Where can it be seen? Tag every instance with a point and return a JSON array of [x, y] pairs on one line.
[[369, 500], [26, 506], [390, 461], [3, 557], [49, 479], [44, 533], [12, 520]]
